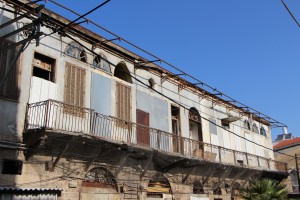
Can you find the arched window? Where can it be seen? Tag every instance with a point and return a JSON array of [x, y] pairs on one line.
[[158, 185], [263, 131], [100, 177], [246, 125], [74, 50], [151, 83], [255, 128], [194, 115], [122, 72], [100, 61]]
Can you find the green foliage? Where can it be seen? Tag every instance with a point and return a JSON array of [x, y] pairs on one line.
[[264, 189]]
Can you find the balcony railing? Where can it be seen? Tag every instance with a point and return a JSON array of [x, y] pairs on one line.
[[58, 116]]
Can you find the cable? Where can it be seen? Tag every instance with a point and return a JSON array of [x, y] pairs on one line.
[[179, 104], [233, 101], [174, 101], [291, 14], [82, 16]]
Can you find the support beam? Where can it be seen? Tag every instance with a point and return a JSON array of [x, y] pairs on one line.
[[146, 62], [18, 30], [23, 41], [147, 166], [121, 164], [224, 176], [89, 163], [110, 40], [238, 175], [21, 16], [52, 167], [188, 174], [207, 177]]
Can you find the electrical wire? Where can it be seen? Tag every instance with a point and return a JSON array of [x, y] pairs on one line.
[[233, 101], [82, 16], [291, 14], [176, 102], [160, 93]]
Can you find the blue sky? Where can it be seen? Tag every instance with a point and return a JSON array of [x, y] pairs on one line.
[[249, 50]]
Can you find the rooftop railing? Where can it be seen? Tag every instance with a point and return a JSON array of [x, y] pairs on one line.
[[58, 116]]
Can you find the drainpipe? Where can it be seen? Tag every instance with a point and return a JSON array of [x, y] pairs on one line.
[[12, 145]]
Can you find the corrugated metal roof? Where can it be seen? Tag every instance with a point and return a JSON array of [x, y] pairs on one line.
[[28, 190]]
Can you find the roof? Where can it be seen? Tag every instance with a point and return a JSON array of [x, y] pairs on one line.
[[287, 143], [29, 190]]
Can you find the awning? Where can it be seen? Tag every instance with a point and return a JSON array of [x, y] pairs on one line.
[[15, 190]]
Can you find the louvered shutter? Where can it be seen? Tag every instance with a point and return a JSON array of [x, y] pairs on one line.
[[123, 102], [74, 85], [9, 88]]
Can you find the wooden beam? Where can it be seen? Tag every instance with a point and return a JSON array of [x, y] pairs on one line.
[[89, 163], [121, 164], [147, 166], [51, 168], [188, 174]]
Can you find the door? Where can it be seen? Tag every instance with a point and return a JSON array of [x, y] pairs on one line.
[[142, 129]]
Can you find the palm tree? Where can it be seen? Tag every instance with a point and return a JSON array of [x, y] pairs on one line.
[[264, 189]]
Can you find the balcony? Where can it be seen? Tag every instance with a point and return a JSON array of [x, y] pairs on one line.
[[57, 117]]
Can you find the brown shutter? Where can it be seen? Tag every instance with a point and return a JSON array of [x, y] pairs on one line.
[[74, 87], [123, 102], [143, 134], [9, 88]]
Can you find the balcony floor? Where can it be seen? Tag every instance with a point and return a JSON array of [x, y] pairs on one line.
[[89, 149]]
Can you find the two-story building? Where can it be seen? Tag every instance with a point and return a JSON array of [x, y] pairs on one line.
[[85, 118]]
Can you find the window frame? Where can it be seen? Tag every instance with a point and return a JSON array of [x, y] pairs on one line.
[[100, 64], [77, 51]]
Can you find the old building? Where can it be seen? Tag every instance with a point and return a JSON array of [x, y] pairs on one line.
[[84, 118], [286, 149]]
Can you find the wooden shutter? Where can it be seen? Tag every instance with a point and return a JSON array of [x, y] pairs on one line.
[[10, 87], [74, 85], [123, 102], [142, 129]]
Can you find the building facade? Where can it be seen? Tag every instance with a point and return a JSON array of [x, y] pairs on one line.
[[84, 118], [286, 149]]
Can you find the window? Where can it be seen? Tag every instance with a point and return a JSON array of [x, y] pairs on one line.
[[151, 83], [74, 85], [246, 125], [263, 131], [195, 128], [213, 126], [122, 72], [8, 72], [123, 102], [12, 167], [175, 112], [225, 124], [43, 67], [100, 175], [100, 62], [255, 128], [74, 50]]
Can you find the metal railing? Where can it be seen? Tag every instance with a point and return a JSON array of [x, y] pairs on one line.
[[55, 115]]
